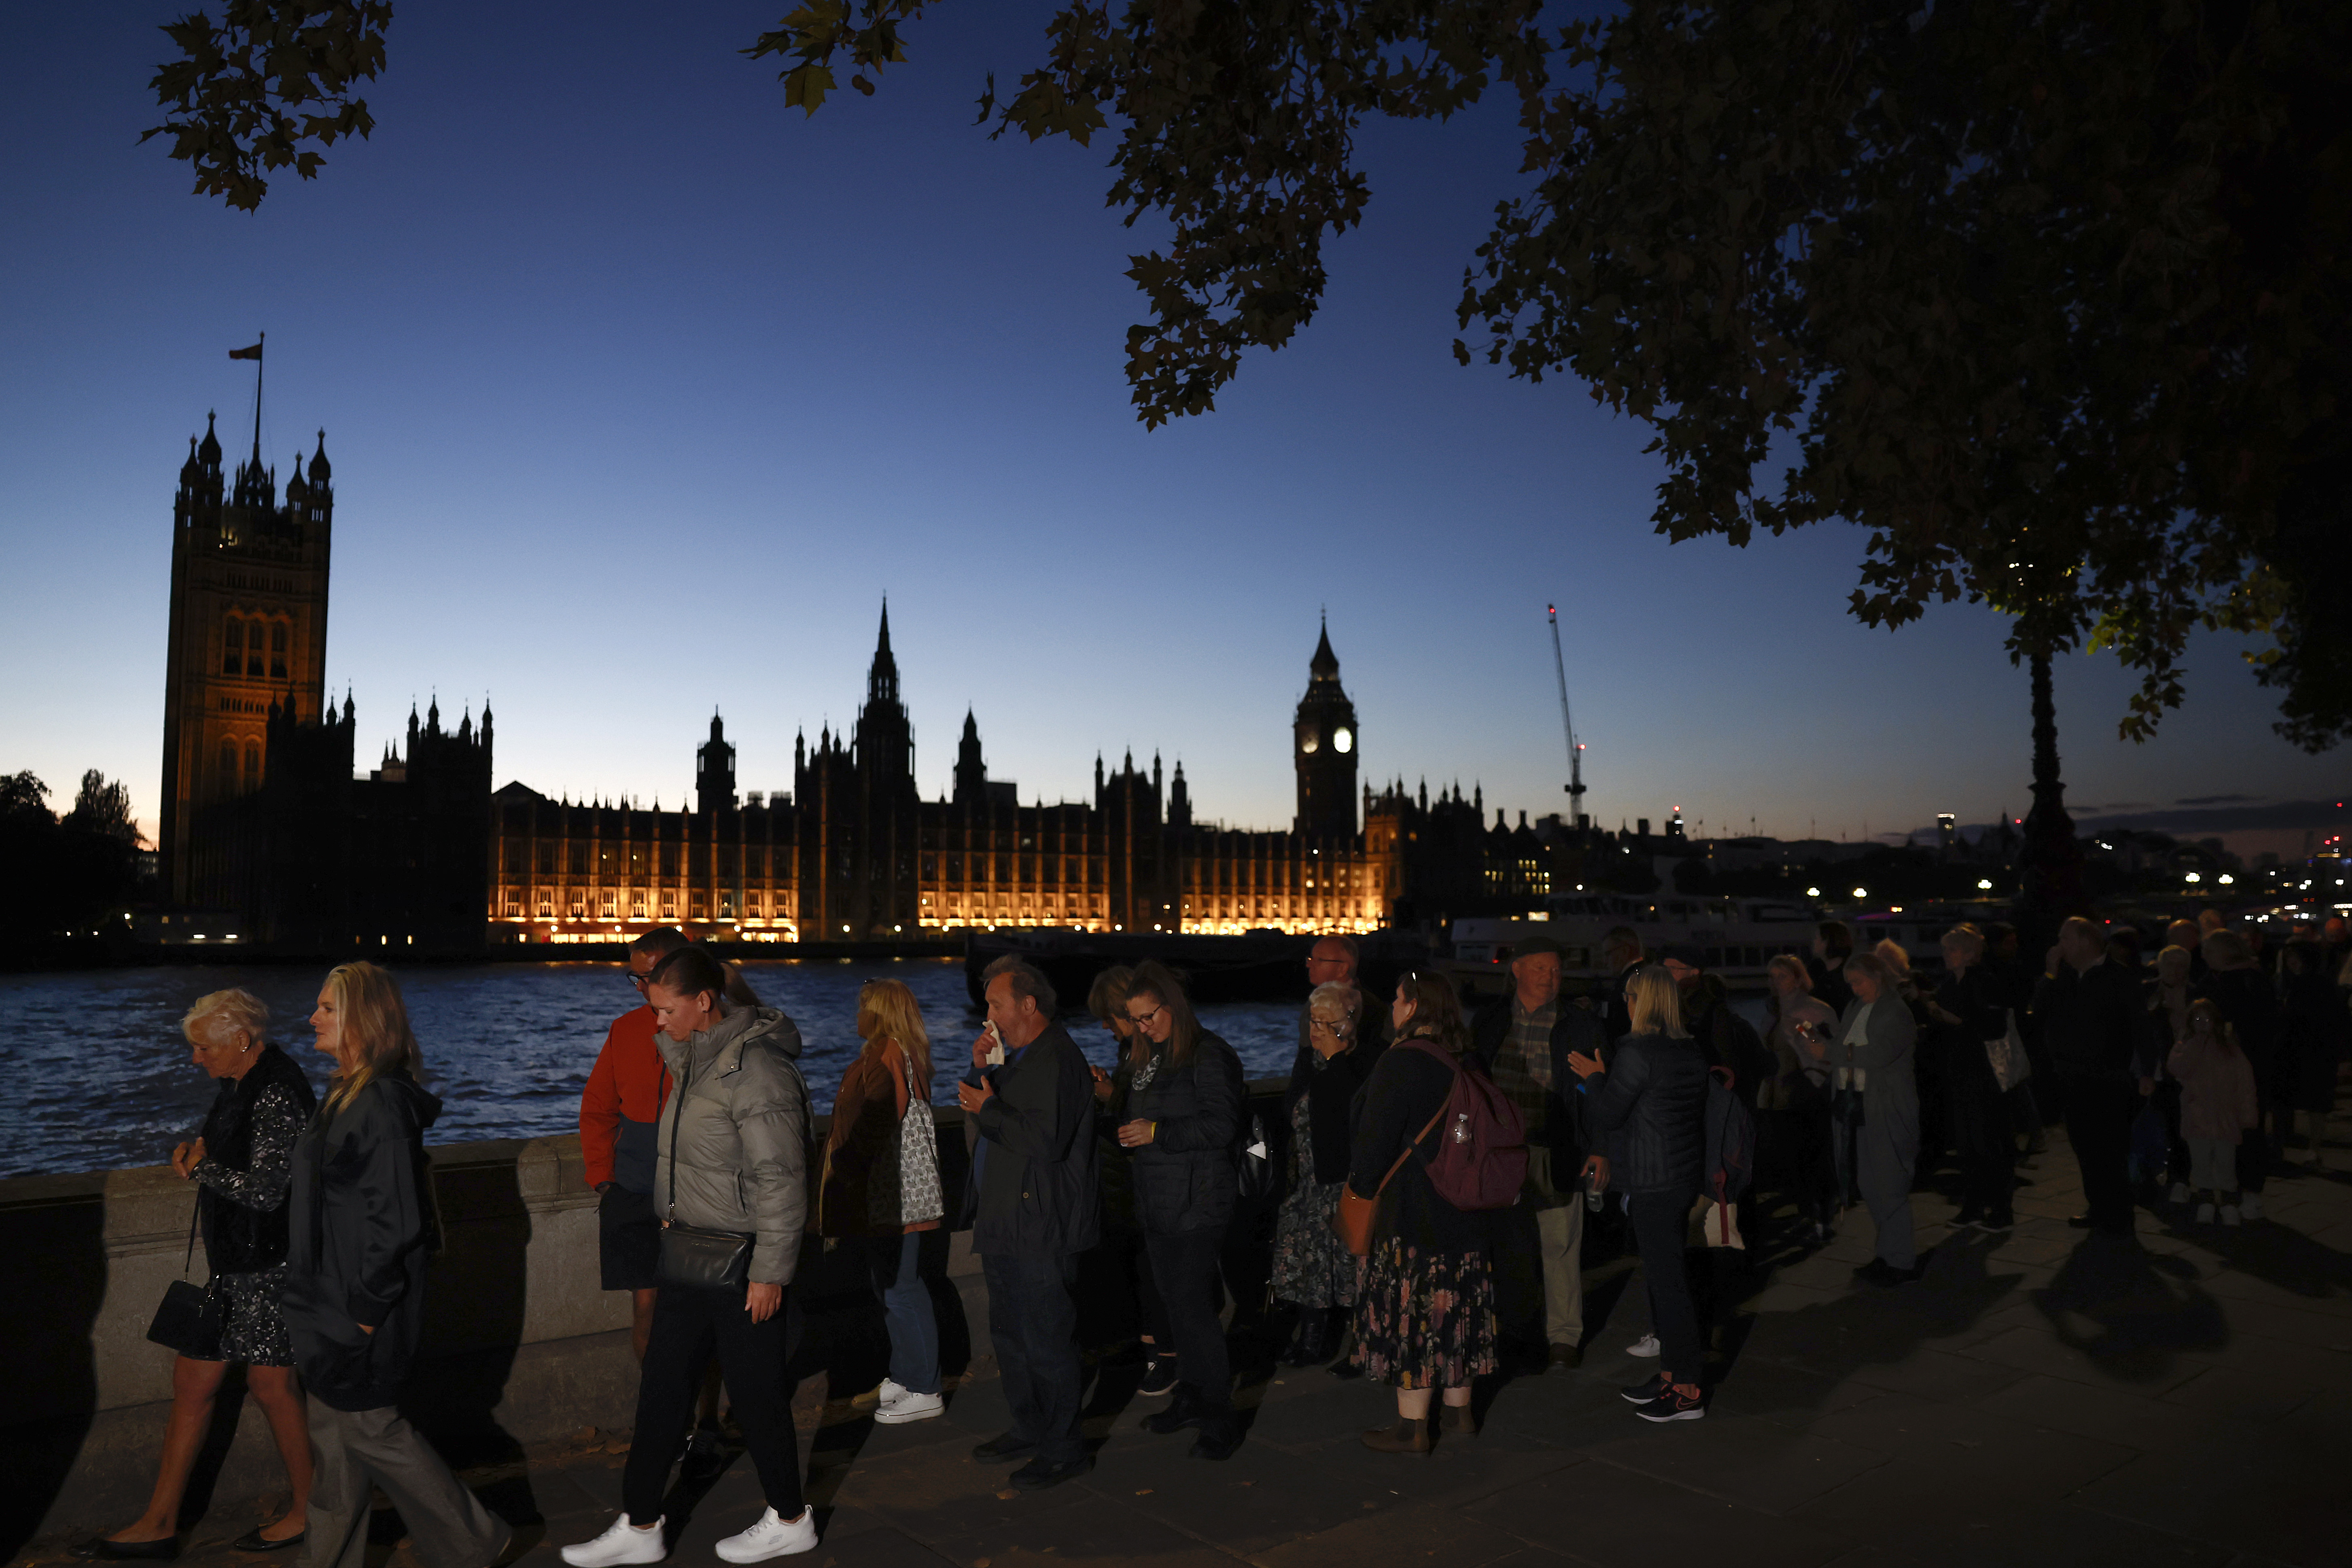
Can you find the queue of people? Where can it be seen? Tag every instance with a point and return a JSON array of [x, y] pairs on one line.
[[1435, 1176]]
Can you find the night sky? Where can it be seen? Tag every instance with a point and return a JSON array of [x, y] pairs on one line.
[[642, 391]]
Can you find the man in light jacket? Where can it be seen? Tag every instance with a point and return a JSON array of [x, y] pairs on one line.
[[731, 1151], [1033, 1203]]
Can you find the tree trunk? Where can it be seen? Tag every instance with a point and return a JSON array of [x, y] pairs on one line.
[[2051, 863]]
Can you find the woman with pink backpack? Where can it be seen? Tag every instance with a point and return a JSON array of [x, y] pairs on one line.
[[2217, 1104]]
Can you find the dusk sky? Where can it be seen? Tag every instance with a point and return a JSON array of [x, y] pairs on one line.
[[642, 390]]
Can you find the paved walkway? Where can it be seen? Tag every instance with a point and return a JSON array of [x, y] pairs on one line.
[[2039, 1397]]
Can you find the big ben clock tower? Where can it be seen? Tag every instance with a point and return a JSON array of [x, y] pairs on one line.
[[1323, 749]]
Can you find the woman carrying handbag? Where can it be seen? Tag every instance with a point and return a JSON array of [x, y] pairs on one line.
[[880, 1191], [241, 1163], [731, 1184]]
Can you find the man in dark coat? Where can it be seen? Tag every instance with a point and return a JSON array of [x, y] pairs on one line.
[[1524, 1041], [2087, 1007], [1033, 1203]]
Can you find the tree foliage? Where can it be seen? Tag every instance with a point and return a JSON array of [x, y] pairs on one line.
[[2046, 296], [247, 94], [72, 877]]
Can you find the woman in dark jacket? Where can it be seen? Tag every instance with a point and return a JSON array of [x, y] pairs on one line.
[[1122, 1233], [1426, 1317], [362, 1223], [1970, 1008], [239, 1163], [1183, 1122], [1313, 1270], [1649, 1108], [2316, 1025]]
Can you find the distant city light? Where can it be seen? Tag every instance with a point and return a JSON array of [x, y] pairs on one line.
[[2226, 879], [1984, 884], [1862, 892], [1812, 892], [2192, 876]]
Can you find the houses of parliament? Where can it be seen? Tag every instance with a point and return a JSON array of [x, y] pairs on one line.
[[270, 833]]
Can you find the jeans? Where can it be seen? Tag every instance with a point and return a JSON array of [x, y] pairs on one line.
[[690, 1325], [1184, 1268], [1661, 1227], [1033, 1322], [890, 1263]]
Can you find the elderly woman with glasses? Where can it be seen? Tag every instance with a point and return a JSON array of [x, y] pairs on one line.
[[1184, 1120], [1313, 1270]]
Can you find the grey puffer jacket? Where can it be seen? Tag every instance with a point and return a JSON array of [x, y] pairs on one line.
[[739, 1122]]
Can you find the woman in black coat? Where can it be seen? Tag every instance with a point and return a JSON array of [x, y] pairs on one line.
[[1426, 1318], [1184, 1118], [363, 1223], [240, 1165], [1313, 1270], [1649, 1108], [1970, 1009]]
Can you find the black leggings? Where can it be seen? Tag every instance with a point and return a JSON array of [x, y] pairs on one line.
[[690, 1327], [1184, 1271], [1661, 1229]]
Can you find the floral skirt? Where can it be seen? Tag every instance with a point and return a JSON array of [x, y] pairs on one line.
[[1312, 1267], [1427, 1319]]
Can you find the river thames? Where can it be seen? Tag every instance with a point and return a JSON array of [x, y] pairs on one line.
[[104, 1080]]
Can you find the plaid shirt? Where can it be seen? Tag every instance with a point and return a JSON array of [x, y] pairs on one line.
[[1523, 1065]]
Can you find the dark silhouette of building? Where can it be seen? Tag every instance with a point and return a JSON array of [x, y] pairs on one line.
[[1324, 745], [247, 633]]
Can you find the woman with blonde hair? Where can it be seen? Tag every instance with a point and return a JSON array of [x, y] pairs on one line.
[[241, 1163], [881, 1188], [1649, 1106], [363, 1222]]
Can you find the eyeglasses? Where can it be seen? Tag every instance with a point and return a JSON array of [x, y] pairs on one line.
[[639, 980], [1313, 959], [1140, 1019]]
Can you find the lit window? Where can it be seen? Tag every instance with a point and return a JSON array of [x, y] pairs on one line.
[[637, 903]]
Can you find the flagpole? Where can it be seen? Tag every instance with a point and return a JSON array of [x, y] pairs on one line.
[[261, 342]]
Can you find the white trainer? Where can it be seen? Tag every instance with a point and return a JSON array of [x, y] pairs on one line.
[[624, 1542], [2251, 1205], [910, 1406], [2179, 1194], [2229, 1213], [1645, 1347], [772, 1537], [2204, 1214], [890, 1391]]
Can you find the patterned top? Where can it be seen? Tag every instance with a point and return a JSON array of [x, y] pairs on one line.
[[1523, 1065], [277, 1123]]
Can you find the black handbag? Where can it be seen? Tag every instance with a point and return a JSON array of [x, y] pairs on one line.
[[188, 1318], [691, 1255]]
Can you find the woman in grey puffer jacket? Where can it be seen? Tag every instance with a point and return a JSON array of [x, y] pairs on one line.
[[1649, 1108], [732, 1155]]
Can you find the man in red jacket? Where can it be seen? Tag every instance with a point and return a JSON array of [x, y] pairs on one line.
[[617, 1113]]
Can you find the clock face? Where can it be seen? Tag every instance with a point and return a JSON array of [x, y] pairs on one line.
[[1343, 740], [1308, 743]]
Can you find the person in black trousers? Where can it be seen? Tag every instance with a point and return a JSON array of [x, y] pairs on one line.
[[1649, 1106], [1969, 1010], [1033, 1203], [1184, 1115], [2089, 1007]]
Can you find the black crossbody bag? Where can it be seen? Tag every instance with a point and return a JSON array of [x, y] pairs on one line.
[[188, 1318], [690, 1255]]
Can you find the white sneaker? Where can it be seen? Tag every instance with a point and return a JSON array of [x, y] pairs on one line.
[[2229, 1214], [2179, 1194], [2204, 1214], [890, 1391], [910, 1406], [772, 1537], [2251, 1205], [1644, 1347], [624, 1542]]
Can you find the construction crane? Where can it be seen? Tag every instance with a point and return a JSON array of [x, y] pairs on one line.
[[1568, 725]]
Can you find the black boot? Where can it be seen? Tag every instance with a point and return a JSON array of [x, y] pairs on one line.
[[1313, 1338], [1183, 1410], [1295, 1353]]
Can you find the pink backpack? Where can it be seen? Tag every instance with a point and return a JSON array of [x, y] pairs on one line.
[[1481, 1160]]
